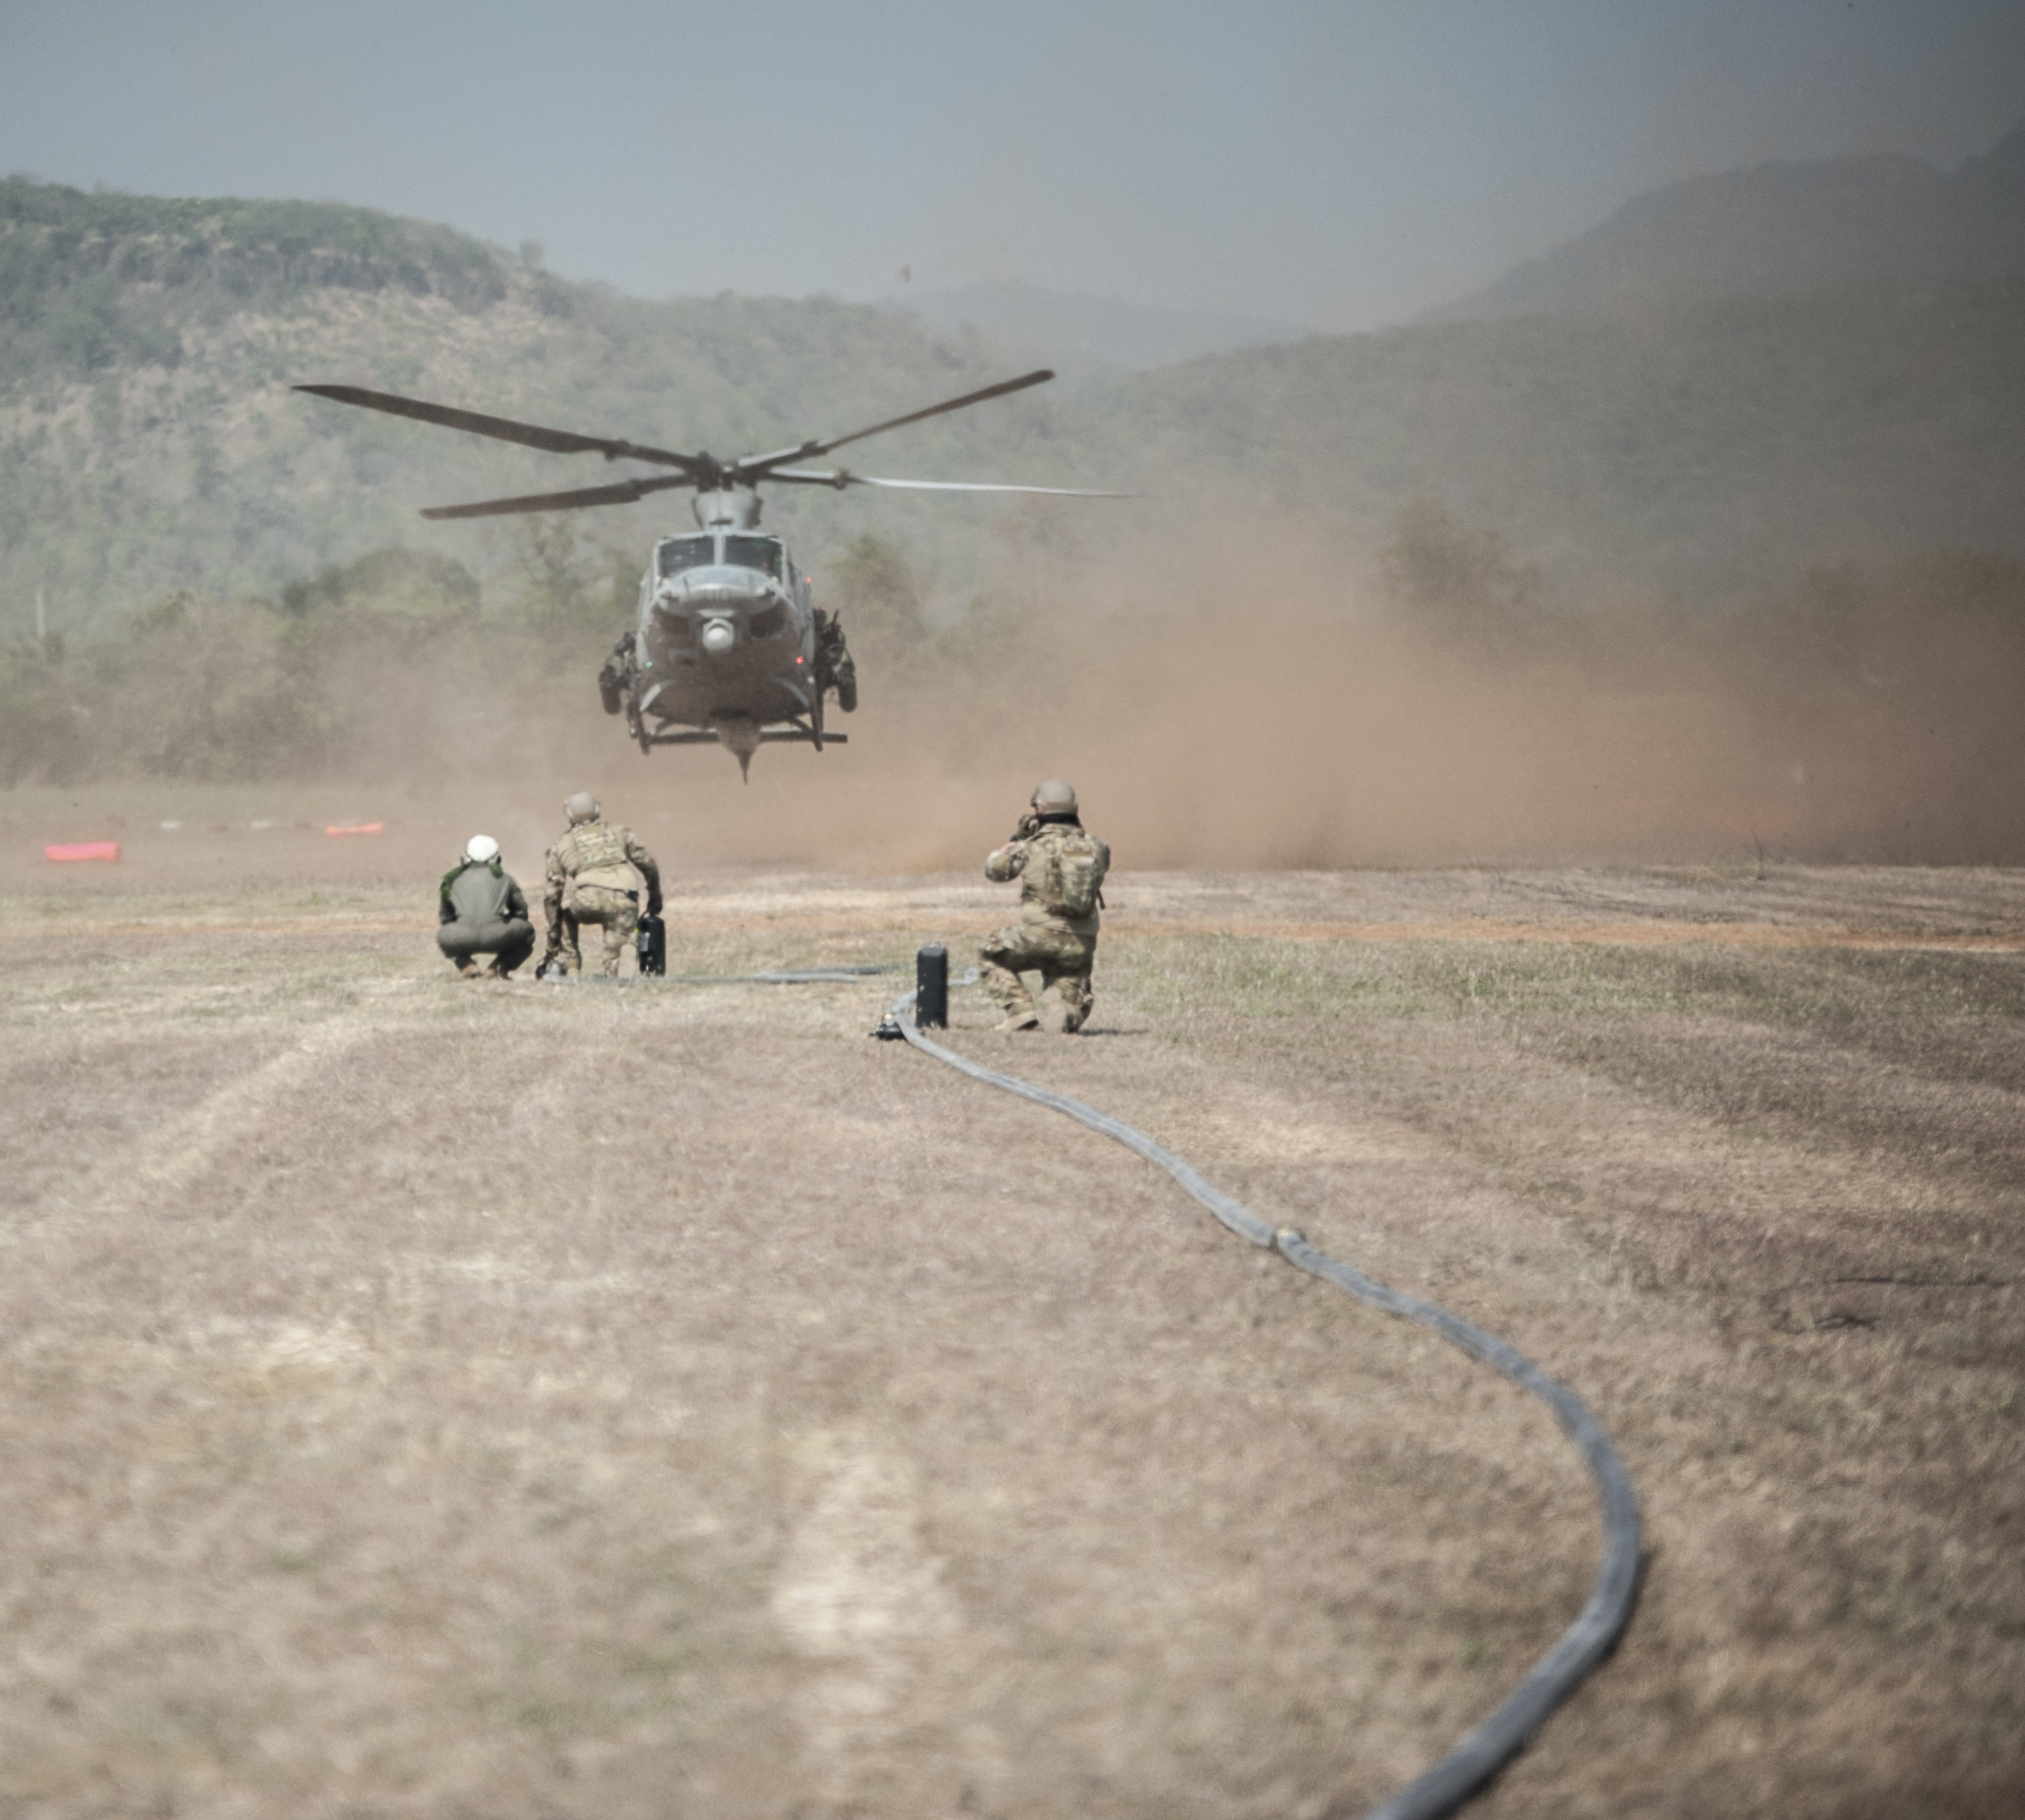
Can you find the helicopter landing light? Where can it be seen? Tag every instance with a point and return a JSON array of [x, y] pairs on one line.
[[719, 635]]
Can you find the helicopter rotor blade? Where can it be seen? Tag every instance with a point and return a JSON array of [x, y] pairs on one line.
[[501, 429], [841, 477], [750, 468], [988, 487], [621, 493]]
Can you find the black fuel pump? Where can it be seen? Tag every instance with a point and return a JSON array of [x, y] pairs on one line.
[[931, 987]]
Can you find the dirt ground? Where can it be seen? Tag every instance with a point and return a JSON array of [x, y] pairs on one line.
[[659, 1400]]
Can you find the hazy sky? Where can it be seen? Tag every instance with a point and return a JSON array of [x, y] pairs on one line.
[[1342, 165]]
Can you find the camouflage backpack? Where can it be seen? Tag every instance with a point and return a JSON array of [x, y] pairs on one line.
[[1076, 864]]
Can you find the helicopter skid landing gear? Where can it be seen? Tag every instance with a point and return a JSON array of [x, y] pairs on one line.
[[806, 734], [795, 733]]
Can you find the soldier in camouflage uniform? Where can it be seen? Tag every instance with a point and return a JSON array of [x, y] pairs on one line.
[[590, 881], [1061, 871]]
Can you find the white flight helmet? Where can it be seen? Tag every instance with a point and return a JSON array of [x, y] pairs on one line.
[[481, 850]]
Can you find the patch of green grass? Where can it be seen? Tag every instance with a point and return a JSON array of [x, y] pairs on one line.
[[1840, 994], [1254, 976], [1818, 986]]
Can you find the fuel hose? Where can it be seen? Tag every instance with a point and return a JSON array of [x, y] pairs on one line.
[[798, 976], [1446, 1784]]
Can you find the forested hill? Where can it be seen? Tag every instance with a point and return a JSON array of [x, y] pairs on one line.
[[55, 240], [1781, 229], [1714, 451], [148, 440]]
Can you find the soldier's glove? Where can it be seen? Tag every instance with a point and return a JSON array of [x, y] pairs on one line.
[[654, 905], [1029, 826]]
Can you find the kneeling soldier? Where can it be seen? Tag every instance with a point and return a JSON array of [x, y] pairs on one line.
[[1061, 870], [590, 881], [482, 911]]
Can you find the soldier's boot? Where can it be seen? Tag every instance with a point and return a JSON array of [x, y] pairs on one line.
[[467, 969], [1028, 1019], [1077, 1000], [496, 972]]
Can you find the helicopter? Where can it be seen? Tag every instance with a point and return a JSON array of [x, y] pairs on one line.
[[730, 648]]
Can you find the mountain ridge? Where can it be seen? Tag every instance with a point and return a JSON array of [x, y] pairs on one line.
[[149, 442], [1779, 229], [1090, 336]]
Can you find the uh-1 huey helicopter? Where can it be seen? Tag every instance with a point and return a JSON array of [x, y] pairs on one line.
[[730, 647]]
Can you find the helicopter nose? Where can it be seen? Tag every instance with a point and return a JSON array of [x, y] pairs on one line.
[[718, 635]]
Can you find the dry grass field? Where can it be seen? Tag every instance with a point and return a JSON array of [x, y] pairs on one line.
[[659, 1400]]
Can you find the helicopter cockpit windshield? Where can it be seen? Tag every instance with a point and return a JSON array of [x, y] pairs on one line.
[[680, 553], [677, 553], [761, 553]]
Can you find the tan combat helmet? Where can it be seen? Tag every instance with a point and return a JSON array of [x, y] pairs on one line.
[[581, 807], [1054, 798]]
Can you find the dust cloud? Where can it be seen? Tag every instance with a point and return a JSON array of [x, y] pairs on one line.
[[1217, 707], [1287, 717]]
